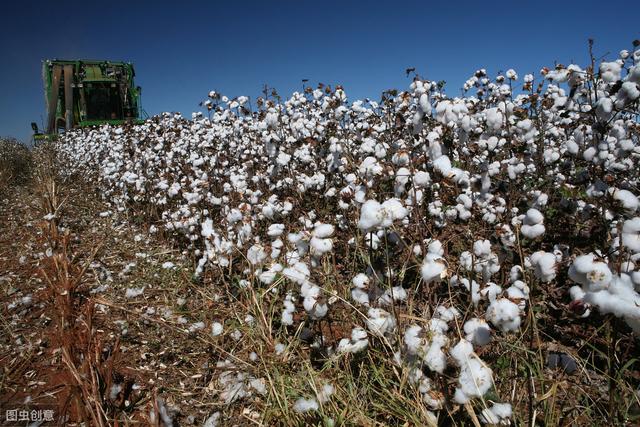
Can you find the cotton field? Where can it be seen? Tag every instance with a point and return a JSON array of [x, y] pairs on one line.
[[430, 228]]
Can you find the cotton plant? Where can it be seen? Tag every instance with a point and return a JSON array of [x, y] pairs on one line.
[[274, 195]]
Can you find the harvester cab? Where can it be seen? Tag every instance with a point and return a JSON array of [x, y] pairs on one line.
[[86, 93]]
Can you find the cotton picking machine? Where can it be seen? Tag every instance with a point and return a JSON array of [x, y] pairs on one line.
[[83, 93]]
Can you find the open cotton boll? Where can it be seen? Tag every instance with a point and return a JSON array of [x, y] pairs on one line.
[[298, 273], [544, 264], [216, 329], [414, 340], [474, 381], [482, 248], [433, 268], [358, 342], [475, 377], [435, 358], [256, 254], [324, 394], [491, 291], [631, 234], [275, 230], [315, 304], [360, 281], [477, 331], [443, 165], [288, 310], [421, 179], [593, 275], [374, 214], [369, 215], [305, 405], [322, 231], [497, 414], [462, 352], [504, 315], [396, 293], [393, 211], [267, 277], [610, 71], [472, 286], [447, 314], [380, 322], [626, 198], [532, 224], [360, 293], [620, 299], [319, 247]]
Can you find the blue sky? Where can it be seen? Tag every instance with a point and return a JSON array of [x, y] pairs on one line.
[[181, 50]]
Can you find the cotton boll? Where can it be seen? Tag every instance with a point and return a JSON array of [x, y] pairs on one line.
[[256, 254], [275, 230], [491, 291], [322, 231], [414, 340], [475, 379], [395, 294], [305, 405], [477, 331], [604, 111], [443, 165], [631, 234], [298, 273], [482, 248], [315, 304], [393, 211], [216, 329], [620, 299], [472, 286], [324, 394], [610, 71], [504, 315], [267, 277], [447, 314], [374, 214], [380, 322], [532, 225], [358, 342], [288, 310], [498, 414], [494, 119], [544, 264], [421, 179], [462, 352], [369, 215], [361, 280], [593, 275], [433, 268], [320, 247], [435, 358], [626, 198]]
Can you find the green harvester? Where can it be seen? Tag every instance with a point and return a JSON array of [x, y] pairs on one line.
[[86, 93]]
